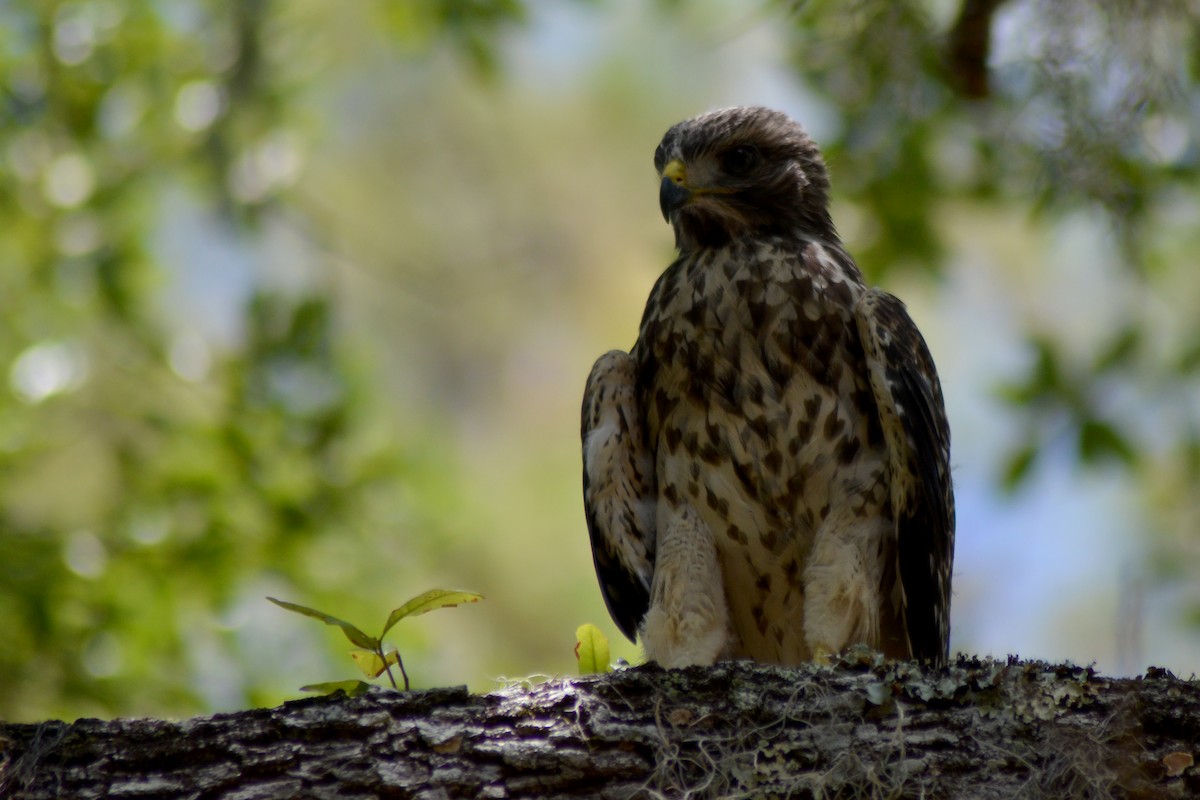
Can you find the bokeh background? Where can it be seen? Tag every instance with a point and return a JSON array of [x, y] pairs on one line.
[[298, 299]]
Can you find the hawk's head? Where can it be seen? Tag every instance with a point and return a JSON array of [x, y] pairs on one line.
[[741, 172]]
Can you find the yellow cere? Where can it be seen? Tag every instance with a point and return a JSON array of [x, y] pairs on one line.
[[676, 171]]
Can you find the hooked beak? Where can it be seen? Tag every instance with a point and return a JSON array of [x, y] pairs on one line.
[[673, 192]]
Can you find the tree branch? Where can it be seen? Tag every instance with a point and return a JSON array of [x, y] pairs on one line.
[[862, 728]]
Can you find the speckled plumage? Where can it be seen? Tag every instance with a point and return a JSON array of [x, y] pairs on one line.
[[766, 472]]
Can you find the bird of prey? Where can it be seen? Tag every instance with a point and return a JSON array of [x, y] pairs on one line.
[[766, 473]]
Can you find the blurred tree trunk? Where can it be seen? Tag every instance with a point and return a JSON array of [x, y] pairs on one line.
[[970, 42], [864, 728]]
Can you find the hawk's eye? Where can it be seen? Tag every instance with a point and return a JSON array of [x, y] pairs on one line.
[[739, 160]]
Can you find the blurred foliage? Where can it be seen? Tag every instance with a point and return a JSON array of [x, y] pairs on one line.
[[1095, 105], [161, 473], [1087, 102], [151, 473]]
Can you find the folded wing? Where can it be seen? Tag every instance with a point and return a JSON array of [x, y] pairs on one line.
[[618, 490], [909, 398]]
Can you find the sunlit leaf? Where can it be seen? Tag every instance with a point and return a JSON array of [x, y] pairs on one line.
[[355, 636], [591, 649], [429, 601], [351, 688], [371, 664]]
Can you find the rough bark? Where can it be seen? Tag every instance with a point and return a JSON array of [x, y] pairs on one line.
[[861, 728]]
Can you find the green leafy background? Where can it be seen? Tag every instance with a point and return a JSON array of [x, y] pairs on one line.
[[299, 298]]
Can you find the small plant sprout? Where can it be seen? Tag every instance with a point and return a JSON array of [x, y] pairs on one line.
[[372, 656], [591, 650]]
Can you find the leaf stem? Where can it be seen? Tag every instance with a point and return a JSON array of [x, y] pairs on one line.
[[400, 663], [387, 668]]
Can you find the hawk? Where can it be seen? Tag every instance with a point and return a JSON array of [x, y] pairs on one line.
[[766, 473]]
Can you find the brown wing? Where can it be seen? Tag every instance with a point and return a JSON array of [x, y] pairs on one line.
[[618, 490], [909, 398]]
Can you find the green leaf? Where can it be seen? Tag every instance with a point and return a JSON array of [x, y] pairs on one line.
[[1016, 470], [591, 648], [351, 688], [355, 636], [1120, 350], [1042, 383], [429, 601], [1099, 440], [1191, 457], [1190, 360], [371, 664], [1046, 376]]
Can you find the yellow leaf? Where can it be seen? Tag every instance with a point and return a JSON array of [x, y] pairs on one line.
[[351, 688], [429, 601], [370, 663], [591, 648]]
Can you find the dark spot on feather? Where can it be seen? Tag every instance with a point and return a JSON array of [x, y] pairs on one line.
[[662, 403], [834, 424], [703, 376], [757, 392], [760, 619], [718, 504], [745, 478], [770, 539], [812, 406], [758, 311], [714, 433]]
